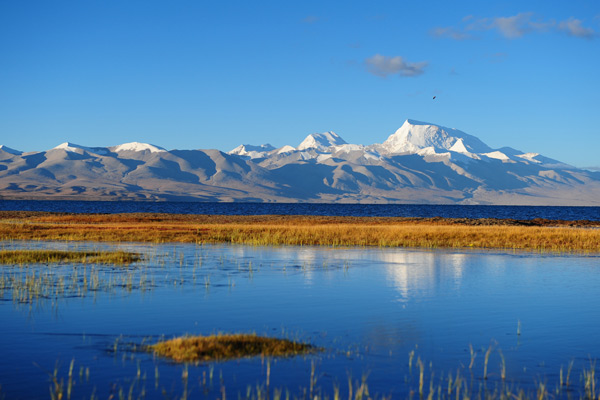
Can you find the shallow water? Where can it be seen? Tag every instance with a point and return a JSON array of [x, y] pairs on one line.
[[367, 308]]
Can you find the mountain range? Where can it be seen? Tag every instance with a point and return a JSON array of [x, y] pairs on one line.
[[419, 163]]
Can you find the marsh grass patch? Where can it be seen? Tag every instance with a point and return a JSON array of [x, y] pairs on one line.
[[264, 230], [20, 257]]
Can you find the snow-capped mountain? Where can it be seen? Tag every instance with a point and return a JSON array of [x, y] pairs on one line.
[[75, 148], [419, 163], [414, 136], [321, 141], [250, 151], [136, 146]]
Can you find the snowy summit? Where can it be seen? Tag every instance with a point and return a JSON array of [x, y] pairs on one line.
[[250, 151], [321, 141], [415, 135], [75, 148], [137, 146]]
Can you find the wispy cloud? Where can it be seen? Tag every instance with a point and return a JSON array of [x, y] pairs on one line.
[[451, 33], [512, 27], [384, 66], [519, 25], [310, 19], [497, 57], [574, 27], [378, 17]]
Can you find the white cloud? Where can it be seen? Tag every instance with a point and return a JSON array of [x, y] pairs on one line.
[[574, 27], [383, 66], [515, 26]]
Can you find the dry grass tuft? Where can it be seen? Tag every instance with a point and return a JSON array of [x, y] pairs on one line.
[[224, 347]]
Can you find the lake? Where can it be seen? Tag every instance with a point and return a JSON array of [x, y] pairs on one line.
[[356, 210], [380, 315]]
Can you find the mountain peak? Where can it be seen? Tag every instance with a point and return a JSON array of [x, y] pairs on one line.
[[414, 135], [415, 122], [68, 146], [7, 149], [137, 146], [252, 151], [72, 147], [321, 141]]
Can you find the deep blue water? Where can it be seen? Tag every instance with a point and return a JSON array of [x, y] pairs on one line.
[[363, 210]]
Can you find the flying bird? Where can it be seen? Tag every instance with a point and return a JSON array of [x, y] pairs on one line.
[[433, 97]]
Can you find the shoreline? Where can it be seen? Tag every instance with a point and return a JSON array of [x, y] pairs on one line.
[[488, 233]]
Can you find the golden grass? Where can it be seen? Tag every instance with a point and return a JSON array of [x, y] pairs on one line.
[[537, 235], [224, 347], [57, 256]]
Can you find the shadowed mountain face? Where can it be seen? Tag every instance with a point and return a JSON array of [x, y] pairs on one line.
[[419, 163]]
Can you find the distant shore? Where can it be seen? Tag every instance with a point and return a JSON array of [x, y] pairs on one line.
[[534, 235]]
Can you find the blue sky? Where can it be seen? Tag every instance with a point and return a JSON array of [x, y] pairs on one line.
[[215, 74]]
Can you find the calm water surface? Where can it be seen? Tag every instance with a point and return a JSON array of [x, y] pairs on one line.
[[359, 210], [368, 308]]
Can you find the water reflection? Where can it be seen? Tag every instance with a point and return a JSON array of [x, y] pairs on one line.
[[416, 273]]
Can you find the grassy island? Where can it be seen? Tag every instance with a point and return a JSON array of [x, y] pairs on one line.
[[534, 235], [225, 347]]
